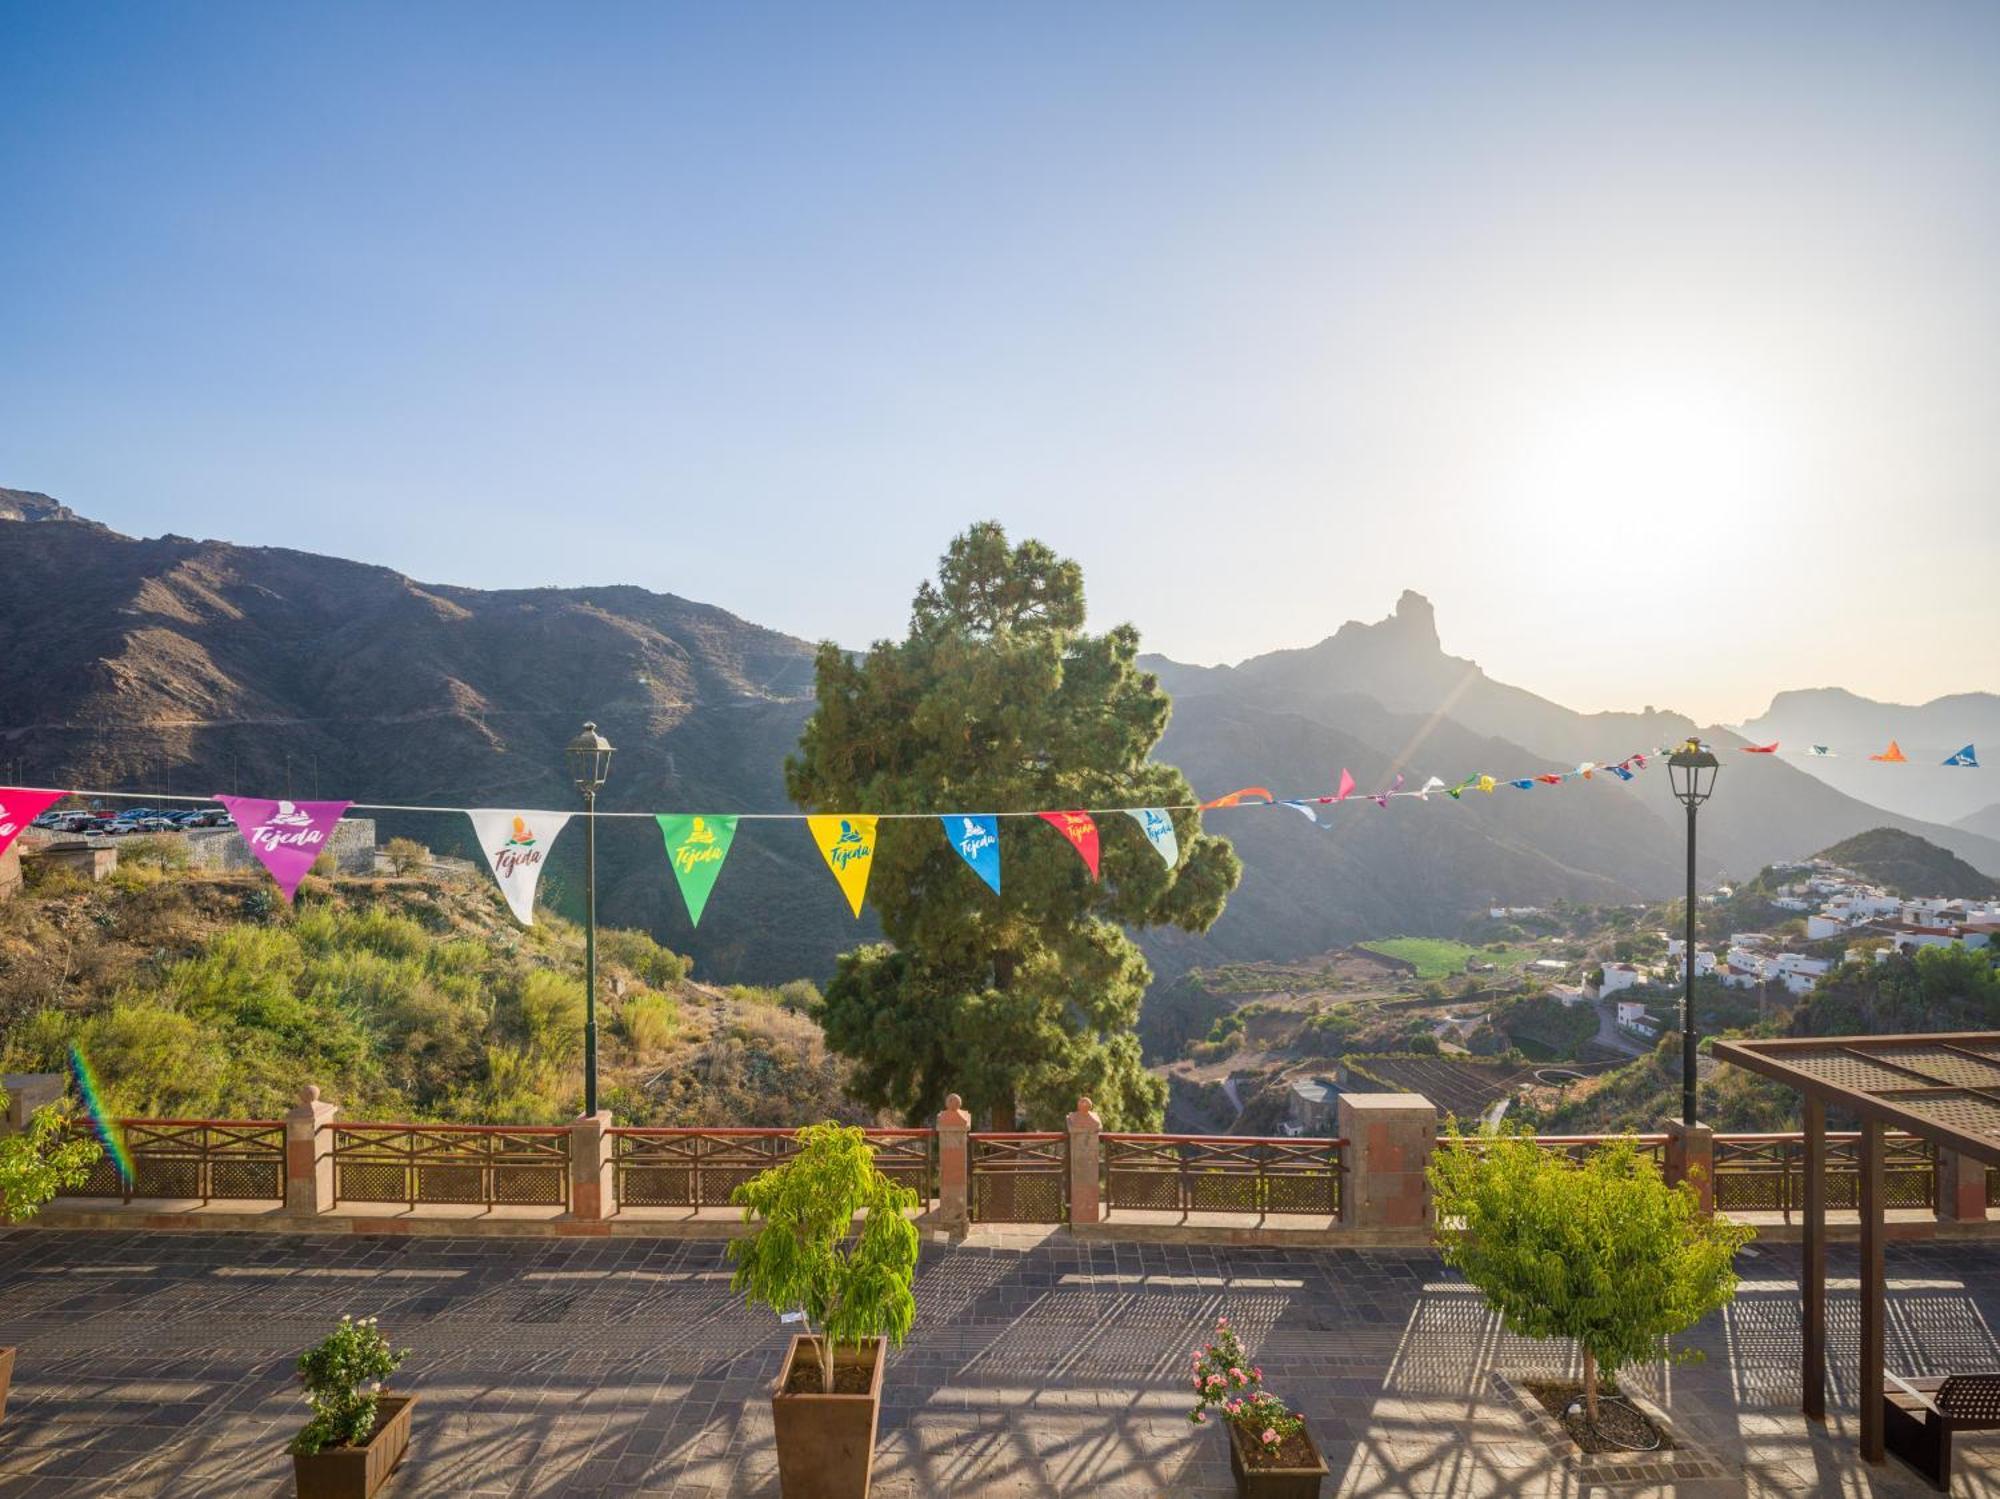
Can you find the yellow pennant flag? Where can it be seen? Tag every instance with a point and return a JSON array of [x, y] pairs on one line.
[[849, 846]]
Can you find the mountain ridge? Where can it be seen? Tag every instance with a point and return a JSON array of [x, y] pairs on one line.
[[169, 664]]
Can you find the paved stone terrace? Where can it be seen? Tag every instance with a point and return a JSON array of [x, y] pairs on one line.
[[161, 1364]]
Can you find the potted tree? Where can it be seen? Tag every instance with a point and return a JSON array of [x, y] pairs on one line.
[[358, 1432], [36, 1164], [848, 1286], [1602, 1251], [1271, 1453]]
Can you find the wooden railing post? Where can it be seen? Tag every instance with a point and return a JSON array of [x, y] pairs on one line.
[[592, 1194], [309, 1155], [1085, 1128], [954, 1137]]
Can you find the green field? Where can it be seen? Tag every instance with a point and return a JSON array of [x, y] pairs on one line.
[[1440, 957]]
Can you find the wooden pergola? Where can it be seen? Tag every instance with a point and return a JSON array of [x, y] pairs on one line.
[[1943, 1088]]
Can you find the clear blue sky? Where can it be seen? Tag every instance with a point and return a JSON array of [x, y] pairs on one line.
[[1264, 312]]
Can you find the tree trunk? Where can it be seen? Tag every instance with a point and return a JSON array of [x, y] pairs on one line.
[[1590, 1386], [823, 1350]]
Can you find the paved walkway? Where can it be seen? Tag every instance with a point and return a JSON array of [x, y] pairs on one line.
[[160, 1365]]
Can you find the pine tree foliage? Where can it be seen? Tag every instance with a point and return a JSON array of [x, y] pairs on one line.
[[999, 700]]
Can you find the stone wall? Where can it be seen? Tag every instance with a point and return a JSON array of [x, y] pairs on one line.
[[223, 849]]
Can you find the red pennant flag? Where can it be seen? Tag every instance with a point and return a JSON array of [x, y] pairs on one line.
[[19, 808], [1761, 749], [1550, 780], [1081, 832]]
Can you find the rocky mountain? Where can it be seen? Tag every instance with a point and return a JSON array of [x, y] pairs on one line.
[[195, 666], [1856, 727], [27, 505]]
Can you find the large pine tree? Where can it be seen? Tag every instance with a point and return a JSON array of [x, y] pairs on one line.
[[997, 701]]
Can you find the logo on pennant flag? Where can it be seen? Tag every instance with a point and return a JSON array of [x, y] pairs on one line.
[[1964, 757], [1821, 752], [696, 846], [516, 844], [1082, 834], [1159, 831], [285, 836], [976, 836], [848, 846], [19, 808]]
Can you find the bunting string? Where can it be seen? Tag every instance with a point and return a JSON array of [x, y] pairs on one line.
[[287, 837]]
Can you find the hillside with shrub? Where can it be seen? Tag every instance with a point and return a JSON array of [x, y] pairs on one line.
[[204, 996]]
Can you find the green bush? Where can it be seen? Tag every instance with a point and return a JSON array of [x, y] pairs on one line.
[[343, 1377], [1604, 1251], [796, 1260], [648, 1022], [40, 1161]]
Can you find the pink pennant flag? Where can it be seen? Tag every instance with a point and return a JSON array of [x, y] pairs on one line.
[[19, 808], [1346, 786], [1382, 801], [286, 836]]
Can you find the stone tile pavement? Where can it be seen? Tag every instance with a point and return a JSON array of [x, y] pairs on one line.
[[157, 1364]]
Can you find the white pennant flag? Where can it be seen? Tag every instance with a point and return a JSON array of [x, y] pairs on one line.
[[1433, 784], [516, 845], [1159, 830]]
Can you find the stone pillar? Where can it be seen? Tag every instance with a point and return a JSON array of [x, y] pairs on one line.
[[954, 1132], [309, 1155], [1084, 1128], [1691, 1158], [1961, 1188], [591, 1194], [1389, 1137], [27, 1092]]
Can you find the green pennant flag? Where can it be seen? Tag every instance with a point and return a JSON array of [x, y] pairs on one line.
[[1462, 787], [696, 847]]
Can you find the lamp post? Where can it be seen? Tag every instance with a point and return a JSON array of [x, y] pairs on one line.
[[1693, 769], [589, 757]]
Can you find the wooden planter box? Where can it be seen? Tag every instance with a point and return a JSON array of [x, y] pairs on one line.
[[6, 1378], [1273, 1483], [826, 1443], [357, 1472]]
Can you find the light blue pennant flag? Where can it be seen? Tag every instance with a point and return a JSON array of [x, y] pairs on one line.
[[977, 839], [1964, 757], [1299, 806], [1159, 830]]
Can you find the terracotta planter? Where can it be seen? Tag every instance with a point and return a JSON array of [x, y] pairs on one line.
[[6, 1378], [826, 1443], [1273, 1483], [357, 1472]]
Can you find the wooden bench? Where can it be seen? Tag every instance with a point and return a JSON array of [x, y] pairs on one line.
[[1920, 1417]]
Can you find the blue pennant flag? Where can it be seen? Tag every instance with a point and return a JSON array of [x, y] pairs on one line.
[[977, 839], [1964, 757], [1159, 830], [1619, 771], [1526, 783]]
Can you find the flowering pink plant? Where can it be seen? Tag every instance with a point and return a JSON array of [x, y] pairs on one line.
[[1224, 1379]]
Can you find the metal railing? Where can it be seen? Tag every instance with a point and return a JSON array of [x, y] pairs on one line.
[[1766, 1172], [212, 1160], [1019, 1177], [480, 1165], [1222, 1174], [700, 1168]]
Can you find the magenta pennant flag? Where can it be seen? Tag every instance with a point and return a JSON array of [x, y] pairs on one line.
[[19, 808], [1382, 801], [286, 836]]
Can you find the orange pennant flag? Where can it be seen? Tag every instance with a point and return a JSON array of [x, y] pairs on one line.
[[1236, 798], [1894, 752]]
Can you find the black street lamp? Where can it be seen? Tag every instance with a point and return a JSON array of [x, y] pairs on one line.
[[589, 756], [1693, 770]]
